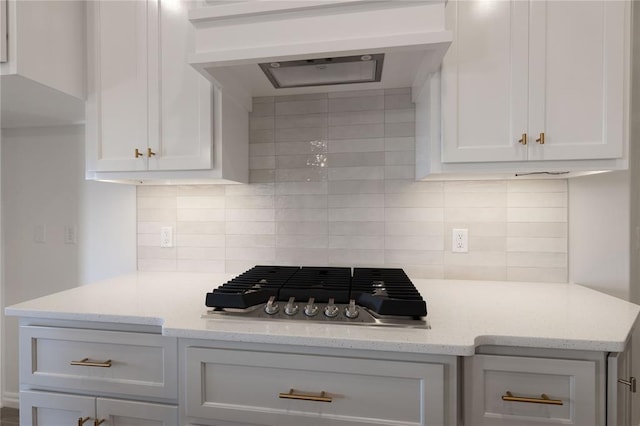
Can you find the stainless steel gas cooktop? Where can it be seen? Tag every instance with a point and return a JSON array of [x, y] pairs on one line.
[[331, 295]]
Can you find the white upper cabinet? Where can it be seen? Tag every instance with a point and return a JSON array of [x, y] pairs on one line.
[[150, 115], [525, 84], [42, 62]]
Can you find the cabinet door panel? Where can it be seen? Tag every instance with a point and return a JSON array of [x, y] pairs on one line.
[[120, 84], [484, 82], [236, 386], [577, 79], [180, 101], [49, 409], [132, 413]]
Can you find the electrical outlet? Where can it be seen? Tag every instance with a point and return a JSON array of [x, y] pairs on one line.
[[40, 234], [166, 236], [460, 241], [70, 234]]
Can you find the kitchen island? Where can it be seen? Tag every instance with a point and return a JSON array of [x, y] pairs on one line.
[[564, 337]]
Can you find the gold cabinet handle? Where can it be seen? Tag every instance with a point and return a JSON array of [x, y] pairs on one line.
[[523, 140], [97, 422], [150, 153], [85, 362], [138, 153], [544, 399], [82, 421], [631, 383], [306, 397], [540, 140]]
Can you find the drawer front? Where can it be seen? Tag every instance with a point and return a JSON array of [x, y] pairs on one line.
[[106, 362], [245, 387], [504, 390]]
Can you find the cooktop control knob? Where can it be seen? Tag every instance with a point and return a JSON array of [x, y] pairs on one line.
[[291, 308], [271, 307], [331, 310], [311, 309], [351, 311]]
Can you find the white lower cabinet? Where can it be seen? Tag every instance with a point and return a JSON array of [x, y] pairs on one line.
[[247, 387], [510, 390], [55, 409], [72, 376]]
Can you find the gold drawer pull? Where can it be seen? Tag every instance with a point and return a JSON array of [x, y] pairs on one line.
[[85, 362], [137, 153], [523, 140], [540, 140], [305, 397], [544, 399], [82, 421], [97, 422]]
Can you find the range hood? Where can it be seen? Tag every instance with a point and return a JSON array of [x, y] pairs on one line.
[[270, 47]]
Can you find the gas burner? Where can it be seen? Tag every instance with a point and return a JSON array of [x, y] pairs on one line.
[[369, 296]]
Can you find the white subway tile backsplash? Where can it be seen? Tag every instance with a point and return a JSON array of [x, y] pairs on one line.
[[397, 101], [198, 228], [357, 242], [360, 103], [199, 240], [332, 183], [250, 240], [350, 257], [302, 228], [261, 149], [537, 214], [356, 187], [308, 242], [249, 228], [301, 107], [299, 121], [354, 214], [201, 253], [356, 200], [301, 201], [357, 159], [414, 214], [357, 131], [301, 134], [357, 117], [250, 215], [402, 143], [356, 228], [301, 215], [200, 202], [356, 173], [262, 176], [200, 215], [264, 162]]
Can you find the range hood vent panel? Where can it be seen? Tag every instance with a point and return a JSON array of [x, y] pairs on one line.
[[323, 72]]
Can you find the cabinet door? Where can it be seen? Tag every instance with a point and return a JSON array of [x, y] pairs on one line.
[[132, 413], [577, 79], [180, 98], [484, 82], [54, 409], [117, 98], [619, 388]]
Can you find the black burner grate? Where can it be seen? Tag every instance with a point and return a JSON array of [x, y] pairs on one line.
[[385, 291]]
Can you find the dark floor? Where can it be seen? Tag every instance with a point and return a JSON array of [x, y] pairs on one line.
[[9, 417]]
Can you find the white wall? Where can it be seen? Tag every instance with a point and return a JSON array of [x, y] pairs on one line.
[[43, 184], [599, 215]]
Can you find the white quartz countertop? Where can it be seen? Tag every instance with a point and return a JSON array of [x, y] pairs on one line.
[[462, 315]]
